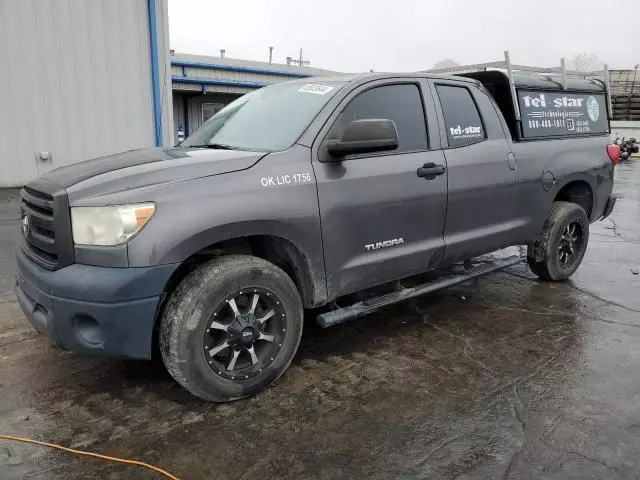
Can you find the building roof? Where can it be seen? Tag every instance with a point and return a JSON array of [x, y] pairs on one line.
[[277, 68]]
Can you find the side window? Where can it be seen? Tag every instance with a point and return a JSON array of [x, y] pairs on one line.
[[461, 117], [400, 103]]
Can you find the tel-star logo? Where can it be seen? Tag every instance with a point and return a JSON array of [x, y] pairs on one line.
[[593, 109]]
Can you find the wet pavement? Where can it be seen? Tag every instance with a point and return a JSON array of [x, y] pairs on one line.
[[503, 377]]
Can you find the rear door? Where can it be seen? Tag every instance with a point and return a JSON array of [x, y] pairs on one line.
[[481, 213], [380, 220]]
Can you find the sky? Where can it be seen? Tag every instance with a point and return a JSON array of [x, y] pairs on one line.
[[402, 35]]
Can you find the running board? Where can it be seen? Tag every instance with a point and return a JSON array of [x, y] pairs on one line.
[[371, 305]]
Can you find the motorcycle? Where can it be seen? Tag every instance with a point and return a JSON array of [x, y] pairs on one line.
[[627, 147]]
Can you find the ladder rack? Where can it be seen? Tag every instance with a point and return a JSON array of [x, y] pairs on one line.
[[562, 71]]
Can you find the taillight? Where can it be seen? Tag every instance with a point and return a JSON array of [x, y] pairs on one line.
[[614, 153]]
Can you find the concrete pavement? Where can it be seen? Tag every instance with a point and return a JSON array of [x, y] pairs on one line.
[[502, 377]]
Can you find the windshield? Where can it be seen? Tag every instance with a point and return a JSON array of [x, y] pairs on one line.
[[271, 118]]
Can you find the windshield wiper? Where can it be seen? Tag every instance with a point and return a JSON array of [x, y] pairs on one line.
[[216, 146]]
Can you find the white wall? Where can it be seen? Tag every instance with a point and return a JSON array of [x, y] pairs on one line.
[[75, 81]]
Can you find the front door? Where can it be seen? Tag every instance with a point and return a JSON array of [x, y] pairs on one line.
[[380, 220], [481, 213]]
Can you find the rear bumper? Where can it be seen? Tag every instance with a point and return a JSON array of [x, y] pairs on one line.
[[106, 311], [608, 208]]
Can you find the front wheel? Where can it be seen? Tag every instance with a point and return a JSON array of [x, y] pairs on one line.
[[231, 328], [560, 247]]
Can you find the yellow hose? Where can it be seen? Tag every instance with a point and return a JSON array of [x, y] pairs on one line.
[[89, 454]]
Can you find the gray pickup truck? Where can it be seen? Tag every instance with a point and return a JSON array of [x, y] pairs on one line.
[[304, 195]]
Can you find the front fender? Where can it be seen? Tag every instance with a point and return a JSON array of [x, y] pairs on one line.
[[194, 215]]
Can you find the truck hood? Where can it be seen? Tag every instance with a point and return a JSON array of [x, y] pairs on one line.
[[149, 166]]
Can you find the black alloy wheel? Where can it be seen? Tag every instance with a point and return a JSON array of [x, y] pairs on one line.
[[231, 327], [570, 245], [244, 333], [561, 244]]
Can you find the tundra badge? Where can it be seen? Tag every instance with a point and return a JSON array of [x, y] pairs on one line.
[[385, 244]]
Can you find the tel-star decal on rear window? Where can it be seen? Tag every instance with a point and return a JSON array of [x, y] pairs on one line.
[[551, 114], [316, 89]]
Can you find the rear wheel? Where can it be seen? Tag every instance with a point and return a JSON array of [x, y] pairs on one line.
[[560, 247], [231, 328]]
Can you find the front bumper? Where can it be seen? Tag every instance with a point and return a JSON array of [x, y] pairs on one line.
[[100, 310], [608, 208]]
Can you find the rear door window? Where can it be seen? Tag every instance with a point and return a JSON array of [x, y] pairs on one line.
[[461, 116]]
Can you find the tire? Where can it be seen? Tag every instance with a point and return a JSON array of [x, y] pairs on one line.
[[565, 230], [192, 337]]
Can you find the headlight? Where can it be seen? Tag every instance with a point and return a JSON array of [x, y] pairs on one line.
[[109, 225]]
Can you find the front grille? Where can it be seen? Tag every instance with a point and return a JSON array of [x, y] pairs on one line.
[[45, 226]]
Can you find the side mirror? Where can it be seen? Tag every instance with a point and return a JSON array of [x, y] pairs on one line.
[[364, 136]]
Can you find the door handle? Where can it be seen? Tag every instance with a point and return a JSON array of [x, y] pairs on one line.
[[430, 171], [511, 160]]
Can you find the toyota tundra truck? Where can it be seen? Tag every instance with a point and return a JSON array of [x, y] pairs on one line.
[[308, 194]]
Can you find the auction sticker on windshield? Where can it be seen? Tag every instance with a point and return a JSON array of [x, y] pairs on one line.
[[316, 89]]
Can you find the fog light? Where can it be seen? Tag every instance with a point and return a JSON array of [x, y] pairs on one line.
[[88, 330]]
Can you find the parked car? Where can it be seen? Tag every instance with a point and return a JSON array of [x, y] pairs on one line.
[[300, 194]]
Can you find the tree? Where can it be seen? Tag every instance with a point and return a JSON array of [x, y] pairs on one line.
[[585, 62], [446, 63]]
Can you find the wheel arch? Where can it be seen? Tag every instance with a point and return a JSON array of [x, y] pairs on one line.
[[578, 191], [276, 249]]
